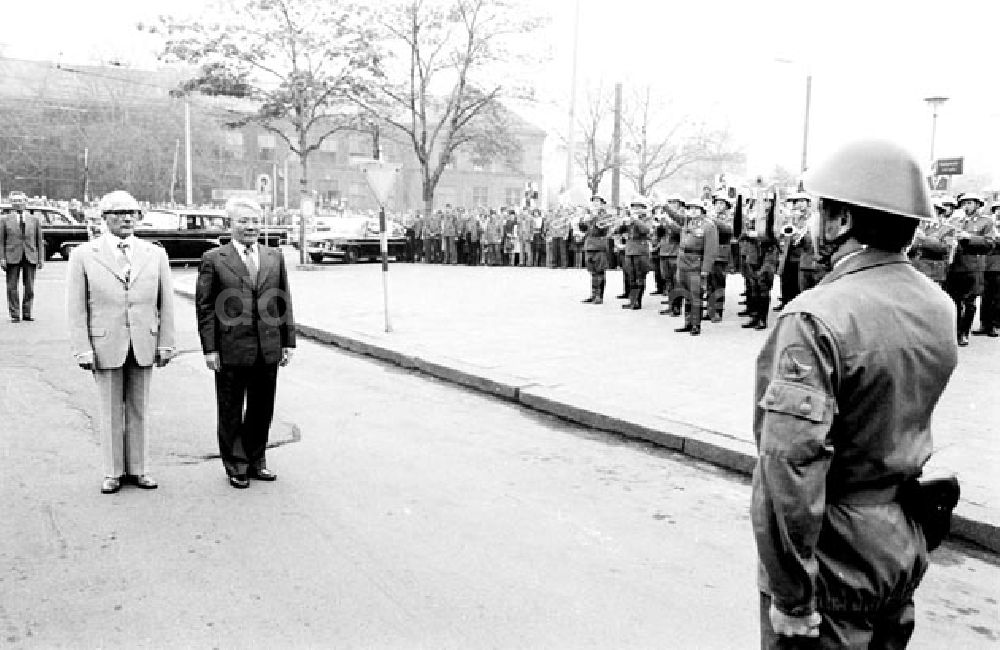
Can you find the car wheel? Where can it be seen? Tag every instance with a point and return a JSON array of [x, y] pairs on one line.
[[350, 256], [316, 257]]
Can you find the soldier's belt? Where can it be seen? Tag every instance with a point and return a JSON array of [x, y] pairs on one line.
[[694, 251]]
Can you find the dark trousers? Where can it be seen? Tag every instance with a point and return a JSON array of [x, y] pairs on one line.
[[25, 272], [989, 316], [963, 287], [668, 269], [428, 250], [789, 281], [717, 289], [881, 630], [450, 249], [473, 253], [689, 288], [243, 431], [418, 249], [558, 252], [538, 250]]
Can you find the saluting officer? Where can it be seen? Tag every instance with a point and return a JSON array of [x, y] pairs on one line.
[[595, 247], [976, 234], [989, 315], [698, 250], [845, 391]]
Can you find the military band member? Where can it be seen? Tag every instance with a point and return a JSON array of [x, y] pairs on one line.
[[975, 235], [989, 314], [636, 230], [760, 260], [672, 220], [932, 246], [792, 235], [722, 205], [595, 247], [654, 252], [699, 248]]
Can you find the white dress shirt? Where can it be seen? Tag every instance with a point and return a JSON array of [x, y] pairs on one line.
[[254, 255]]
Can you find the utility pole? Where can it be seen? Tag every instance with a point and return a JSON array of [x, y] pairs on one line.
[[935, 103], [616, 169], [188, 195], [571, 137], [805, 125], [86, 175], [173, 173]]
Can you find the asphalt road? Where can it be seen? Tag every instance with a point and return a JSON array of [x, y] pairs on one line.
[[408, 514]]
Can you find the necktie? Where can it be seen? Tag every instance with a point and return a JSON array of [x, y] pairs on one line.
[[250, 264], [126, 264], [20, 218]]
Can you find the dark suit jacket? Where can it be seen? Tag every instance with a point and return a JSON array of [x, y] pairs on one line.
[[238, 317], [15, 247]]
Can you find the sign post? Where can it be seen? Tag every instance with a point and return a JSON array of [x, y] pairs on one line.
[[381, 176]]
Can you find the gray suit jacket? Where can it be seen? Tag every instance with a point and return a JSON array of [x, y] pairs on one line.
[[107, 315], [16, 248]]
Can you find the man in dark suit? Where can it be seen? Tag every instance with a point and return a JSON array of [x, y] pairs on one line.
[[247, 331], [22, 252]]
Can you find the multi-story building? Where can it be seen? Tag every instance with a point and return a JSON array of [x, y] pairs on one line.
[[67, 130]]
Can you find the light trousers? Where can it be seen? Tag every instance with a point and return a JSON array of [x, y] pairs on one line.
[[123, 394]]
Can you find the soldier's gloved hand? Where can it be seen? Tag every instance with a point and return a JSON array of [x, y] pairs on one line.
[[788, 625]]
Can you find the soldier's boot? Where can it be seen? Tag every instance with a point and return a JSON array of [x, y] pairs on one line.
[[763, 305], [599, 298], [641, 289], [752, 310], [631, 300]]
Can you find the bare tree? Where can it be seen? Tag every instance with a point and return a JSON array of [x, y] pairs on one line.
[[441, 88], [661, 144], [595, 156], [298, 60]]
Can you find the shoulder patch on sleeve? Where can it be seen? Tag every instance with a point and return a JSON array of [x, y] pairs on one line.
[[795, 363], [796, 399]]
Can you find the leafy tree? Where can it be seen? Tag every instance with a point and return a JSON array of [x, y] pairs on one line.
[[661, 144], [441, 85], [296, 60]]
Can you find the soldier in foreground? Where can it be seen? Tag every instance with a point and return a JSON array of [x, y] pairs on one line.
[[846, 386]]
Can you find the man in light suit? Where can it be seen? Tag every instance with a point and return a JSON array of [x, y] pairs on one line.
[[22, 252], [121, 318], [247, 331]]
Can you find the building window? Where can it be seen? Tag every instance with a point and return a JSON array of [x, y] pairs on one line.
[[480, 196], [512, 196], [265, 146], [234, 145]]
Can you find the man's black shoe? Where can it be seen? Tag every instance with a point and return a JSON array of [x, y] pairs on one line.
[[263, 474], [590, 299], [993, 333], [751, 324], [981, 332], [695, 331], [963, 340], [779, 307], [624, 296], [15, 319], [239, 481], [687, 328], [27, 317], [745, 312]]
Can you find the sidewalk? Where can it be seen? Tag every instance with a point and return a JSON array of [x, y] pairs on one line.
[[523, 334]]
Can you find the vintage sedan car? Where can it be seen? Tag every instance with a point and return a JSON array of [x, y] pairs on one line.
[[353, 238], [60, 230], [185, 234]]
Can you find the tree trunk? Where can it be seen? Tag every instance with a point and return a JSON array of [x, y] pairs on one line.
[[428, 197], [303, 198]]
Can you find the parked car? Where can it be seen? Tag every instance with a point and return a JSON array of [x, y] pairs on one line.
[[187, 233], [353, 238], [60, 230]]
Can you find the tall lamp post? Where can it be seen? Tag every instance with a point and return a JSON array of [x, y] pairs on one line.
[[935, 103], [805, 120]]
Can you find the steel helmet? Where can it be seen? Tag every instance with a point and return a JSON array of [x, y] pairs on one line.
[[722, 196], [971, 196], [874, 174], [118, 201]]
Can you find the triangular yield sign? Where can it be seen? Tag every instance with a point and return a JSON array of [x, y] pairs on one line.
[[380, 176]]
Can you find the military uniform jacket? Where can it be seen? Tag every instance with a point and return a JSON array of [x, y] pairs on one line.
[[845, 387], [699, 246], [993, 257], [724, 226], [597, 236], [670, 243], [638, 238], [971, 256]]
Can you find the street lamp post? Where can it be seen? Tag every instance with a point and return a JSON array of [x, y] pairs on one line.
[[935, 102], [805, 121]]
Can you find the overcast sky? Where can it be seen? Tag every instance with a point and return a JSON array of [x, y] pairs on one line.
[[872, 63]]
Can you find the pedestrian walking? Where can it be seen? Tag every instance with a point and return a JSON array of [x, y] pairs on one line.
[[119, 306], [846, 386]]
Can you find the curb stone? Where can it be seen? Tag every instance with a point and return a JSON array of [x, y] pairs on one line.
[[703, 444]]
